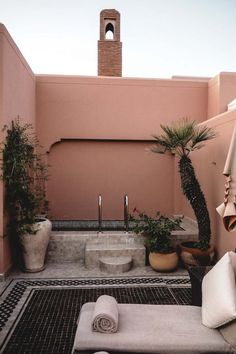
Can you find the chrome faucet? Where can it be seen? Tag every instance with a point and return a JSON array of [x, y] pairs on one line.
[[100, 213], [126, 212]]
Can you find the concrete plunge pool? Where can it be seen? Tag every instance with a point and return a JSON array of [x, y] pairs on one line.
[[80, 242]]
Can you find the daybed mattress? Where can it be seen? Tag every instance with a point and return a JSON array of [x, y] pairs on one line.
[[163, 329]]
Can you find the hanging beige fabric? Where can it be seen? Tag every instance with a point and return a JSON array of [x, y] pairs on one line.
[[228, 208]]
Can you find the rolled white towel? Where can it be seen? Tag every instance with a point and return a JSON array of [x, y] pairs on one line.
[[105, 315]]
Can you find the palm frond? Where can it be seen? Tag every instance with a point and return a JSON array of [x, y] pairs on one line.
[[202, 134], [182, 137], [163, 142]]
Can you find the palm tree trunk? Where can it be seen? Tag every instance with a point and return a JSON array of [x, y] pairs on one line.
[[194, 194]]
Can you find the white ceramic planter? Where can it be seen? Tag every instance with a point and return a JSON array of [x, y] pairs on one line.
[[34, 246]]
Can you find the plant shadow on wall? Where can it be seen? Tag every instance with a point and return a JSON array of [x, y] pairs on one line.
[[157, 235], [24, 174], [182, 138]]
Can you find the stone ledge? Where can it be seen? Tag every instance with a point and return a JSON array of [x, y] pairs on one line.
[[112, 246], [69, 246]]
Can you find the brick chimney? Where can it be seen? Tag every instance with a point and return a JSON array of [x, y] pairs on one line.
[[109, 45]]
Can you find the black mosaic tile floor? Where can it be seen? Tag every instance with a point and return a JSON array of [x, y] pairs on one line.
[[48, 322]]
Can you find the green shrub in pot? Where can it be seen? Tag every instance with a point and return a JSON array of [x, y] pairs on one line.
[[24, 173]]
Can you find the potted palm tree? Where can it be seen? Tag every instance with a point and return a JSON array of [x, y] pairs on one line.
[[181, 138], [157, 234], [24, 174]]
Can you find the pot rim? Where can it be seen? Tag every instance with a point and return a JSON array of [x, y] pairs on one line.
[[190, 244]]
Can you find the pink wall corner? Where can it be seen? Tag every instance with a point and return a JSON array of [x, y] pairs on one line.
[[17, 98], [227, 90], [221, 91], [209, 164], [18, 86], [213, 97]]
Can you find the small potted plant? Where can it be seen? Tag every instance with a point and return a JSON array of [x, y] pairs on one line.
[[157, 234], [24, 174]]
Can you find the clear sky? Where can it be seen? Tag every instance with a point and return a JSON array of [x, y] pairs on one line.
[[160, 38]]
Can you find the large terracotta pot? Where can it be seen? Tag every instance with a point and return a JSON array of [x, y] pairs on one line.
[[163, 262], [34, 246], [192, 256]]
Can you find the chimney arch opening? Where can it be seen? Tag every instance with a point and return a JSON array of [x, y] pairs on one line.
[[109, 31]]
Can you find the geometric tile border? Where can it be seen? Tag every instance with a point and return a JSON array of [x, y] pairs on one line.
[[15, 294]]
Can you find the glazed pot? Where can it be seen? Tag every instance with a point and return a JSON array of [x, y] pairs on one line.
[[34, 246], [163, 262], [192, 256]]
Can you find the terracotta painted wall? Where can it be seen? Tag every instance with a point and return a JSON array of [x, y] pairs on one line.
[[81, 170], [113, 108], [110, 108], [17, 98], [209, 164]]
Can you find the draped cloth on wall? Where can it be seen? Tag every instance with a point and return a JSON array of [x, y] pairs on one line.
[[228, 208]]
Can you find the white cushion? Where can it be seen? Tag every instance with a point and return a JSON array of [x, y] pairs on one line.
[[219, 293]]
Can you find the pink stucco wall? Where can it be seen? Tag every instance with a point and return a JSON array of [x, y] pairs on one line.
[[17, 98], [113, 108], [81, 170], [95, 108]]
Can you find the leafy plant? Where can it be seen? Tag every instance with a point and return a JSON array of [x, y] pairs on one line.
[[157, 231], [24, 174], [181, 138]]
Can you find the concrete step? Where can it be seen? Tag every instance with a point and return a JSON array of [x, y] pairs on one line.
[[115, 264], [95, 251]]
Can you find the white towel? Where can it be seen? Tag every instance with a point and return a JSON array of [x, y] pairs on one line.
[[105, 315]]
